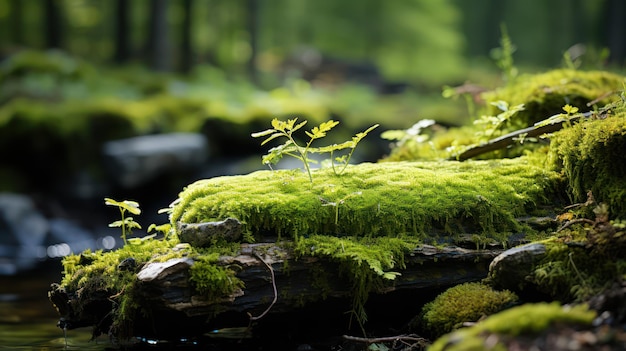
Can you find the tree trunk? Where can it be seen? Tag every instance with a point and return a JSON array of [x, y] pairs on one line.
[[53, 24], [186, 48], [122, 33], [253, 29], [158, 42]]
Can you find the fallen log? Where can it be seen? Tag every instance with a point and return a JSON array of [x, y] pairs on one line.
[[275, 283]]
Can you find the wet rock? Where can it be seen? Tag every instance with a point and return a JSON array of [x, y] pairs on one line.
[[509, 269], [208, 233], [135, 161], [23, 231]]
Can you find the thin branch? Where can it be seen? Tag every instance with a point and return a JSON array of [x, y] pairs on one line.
[[402, 338], [509, 139]]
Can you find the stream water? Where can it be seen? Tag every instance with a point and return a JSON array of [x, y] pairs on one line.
[[28, 320]]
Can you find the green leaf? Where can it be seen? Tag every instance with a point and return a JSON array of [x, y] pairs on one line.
[[263, 133], [293, 129], [131, 206], [272, 137], [393, 134], [116, 224]]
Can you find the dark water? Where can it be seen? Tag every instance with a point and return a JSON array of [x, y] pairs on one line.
[[28, 320]]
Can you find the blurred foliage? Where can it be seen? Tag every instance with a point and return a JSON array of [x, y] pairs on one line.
[[51, 102]]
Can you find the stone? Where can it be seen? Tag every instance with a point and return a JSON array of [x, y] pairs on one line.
[[206, 234], [135, 161], [510, 269]]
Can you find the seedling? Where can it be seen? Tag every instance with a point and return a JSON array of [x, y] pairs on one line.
[[126, 223], [291, 147]]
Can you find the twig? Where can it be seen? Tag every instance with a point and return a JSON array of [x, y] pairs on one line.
[[579, 220], [402, 338], [253, 318]]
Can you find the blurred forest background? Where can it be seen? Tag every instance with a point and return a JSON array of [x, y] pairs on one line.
[[423, 42], [76, 74]]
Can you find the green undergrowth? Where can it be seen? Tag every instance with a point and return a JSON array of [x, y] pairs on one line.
[[527, 319], [467, 302], [433, 201]]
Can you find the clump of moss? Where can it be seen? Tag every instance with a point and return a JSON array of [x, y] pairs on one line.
[[528, 319], [463, 303], [545, 94], [581, 261], [591, 154], [430, 201], [533, 97]]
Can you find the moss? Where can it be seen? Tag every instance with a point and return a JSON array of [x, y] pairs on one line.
[[545, 94], [591, 154], [542, 96], [527, 319], [463, 303], [431, 201], [212, 281], [573, 269]]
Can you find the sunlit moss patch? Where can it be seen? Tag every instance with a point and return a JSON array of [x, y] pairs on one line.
[[427, 200], [528, 319]]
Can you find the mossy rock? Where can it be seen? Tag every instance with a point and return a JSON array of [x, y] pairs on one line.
[[545, 94], [591, 154], [430, 200], [526, 320], [467, 302]]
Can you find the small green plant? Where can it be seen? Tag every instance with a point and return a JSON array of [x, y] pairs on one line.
[[126, 223], [301, 152], [504, 55], [494, 125]]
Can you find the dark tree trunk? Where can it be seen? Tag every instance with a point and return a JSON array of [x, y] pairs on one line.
[[158, 43], [122, 51], [16, 22], [253, 27], [615, 28], [186, 50], [53, 24]]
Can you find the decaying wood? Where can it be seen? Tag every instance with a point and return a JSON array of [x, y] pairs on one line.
[[165, 292]]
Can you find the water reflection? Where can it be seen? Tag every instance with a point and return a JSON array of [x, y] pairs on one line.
[[28, 320]]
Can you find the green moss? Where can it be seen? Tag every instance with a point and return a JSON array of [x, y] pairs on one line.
[[463, 303], [527, 319], [542, 96], [545, 94], [212, 281], [431, 201], [591, 154], [573, 271]]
